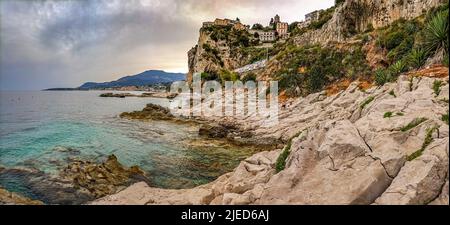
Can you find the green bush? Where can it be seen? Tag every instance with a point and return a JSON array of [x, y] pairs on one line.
[[387, 115], [445, 61], [426, 142], [324, 17], [445, 118], [366, 102], [392, 93], [401, 50], [249, 77], [417, 58], [208, 76], [436, 33], [437, 87], [413, 123], [226, 75], [280, 164], [397, 68], [394, 39], [338, 2], [382, 76]]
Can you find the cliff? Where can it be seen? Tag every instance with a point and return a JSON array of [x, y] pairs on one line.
[[220, 48], [356, 16]]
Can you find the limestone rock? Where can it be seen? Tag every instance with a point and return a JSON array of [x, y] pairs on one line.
[[101, 179], [150, 112]]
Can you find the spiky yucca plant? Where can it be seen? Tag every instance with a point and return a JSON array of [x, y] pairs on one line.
[[417, 58], [436, 33], [397, 68]]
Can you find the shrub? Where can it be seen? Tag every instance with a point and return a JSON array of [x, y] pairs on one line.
[[437, 87], [280, 164], [369, 27], [281, 160], [324, 17], [417, 58], [426, 142], [445, 61], [436, 33], [393, 40], [382, 76], [366, 102], [226, 75], [445, 118], [397, 68], [338, 2], [249, 77], [392, 93], [387, 115], [402, 49], [208, 76], [413, 123]]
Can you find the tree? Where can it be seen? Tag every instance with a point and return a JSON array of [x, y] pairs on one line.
[[257, 26], [337, 2], [237, 19]]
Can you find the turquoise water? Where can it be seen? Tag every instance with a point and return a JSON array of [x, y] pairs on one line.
[[42, 131]]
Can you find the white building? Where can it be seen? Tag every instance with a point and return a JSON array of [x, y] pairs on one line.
[[267, 36]]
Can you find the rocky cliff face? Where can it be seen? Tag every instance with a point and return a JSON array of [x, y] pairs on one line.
[[355, 16], [213, 54], [385, 145]]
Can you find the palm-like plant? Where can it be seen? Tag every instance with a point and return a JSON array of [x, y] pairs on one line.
[[397, 68], [436, 33], [417, 58]]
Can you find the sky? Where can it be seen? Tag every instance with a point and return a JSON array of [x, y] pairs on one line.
[[65, 43]]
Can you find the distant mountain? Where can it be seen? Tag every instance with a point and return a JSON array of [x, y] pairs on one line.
[[146, 78]]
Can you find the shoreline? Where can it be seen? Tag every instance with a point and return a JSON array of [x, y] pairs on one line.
[[340, 125]]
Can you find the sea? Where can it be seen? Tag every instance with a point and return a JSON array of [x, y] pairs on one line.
[[44, 130]]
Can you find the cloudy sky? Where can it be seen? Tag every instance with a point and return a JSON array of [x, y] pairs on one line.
[[65, 43]]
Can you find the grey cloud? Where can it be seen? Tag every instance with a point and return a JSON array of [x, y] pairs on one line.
[[64, 43]]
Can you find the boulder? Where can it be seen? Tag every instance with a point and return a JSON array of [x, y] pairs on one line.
[[101, 179], [150, 112]]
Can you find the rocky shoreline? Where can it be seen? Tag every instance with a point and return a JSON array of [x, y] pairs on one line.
[[342, 150], [79, 182], [143, 95], [223, 129]]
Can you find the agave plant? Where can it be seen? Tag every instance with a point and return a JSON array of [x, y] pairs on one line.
[[397, 68], [436, 33], [382, 76], [417, 58]]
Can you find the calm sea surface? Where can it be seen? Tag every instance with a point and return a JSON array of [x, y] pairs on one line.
[[42, 130]]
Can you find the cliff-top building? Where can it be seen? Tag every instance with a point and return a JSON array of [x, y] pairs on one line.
[[309, 18], [225, 22], [276, 19], [267, 36], [282, 29], [313, 16]]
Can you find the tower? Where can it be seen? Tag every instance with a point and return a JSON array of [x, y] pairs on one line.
[[276, 19]]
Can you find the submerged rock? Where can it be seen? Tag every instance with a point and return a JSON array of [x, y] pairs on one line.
[[150, 112], [10, 198], [102, 179], [117, 95], [214, 131]]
